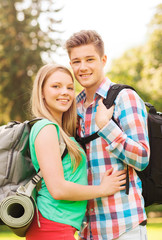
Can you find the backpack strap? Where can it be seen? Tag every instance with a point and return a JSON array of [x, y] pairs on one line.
[[113, 92], [84, 140], [64, 153], [152, 109], [33, 121]]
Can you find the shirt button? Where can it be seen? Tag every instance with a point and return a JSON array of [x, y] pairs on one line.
[[87, 147], [92, 210]]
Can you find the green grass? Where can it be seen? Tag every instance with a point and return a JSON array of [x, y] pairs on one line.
[[154, 230]]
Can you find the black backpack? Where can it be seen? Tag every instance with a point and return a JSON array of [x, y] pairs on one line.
[[151, 176]]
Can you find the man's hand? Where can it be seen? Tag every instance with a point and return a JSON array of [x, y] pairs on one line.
[[103, 115]]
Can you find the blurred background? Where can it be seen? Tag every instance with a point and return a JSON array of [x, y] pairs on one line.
[[33, 33]]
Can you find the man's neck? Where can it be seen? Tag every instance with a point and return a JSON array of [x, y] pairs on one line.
[[90, 92]]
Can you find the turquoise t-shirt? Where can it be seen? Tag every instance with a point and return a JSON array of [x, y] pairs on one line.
[[62, 211]]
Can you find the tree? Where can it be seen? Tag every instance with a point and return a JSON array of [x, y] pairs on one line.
[[24, 41], [141, 67], [127, 69], [152, 71]]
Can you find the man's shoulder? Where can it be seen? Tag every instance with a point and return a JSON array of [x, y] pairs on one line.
[[129, 99], [128, 93]]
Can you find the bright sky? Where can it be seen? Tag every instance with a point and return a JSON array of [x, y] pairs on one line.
[[121, 23]]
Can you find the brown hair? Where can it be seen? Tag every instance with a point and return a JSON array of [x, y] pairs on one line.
[[85, 37]]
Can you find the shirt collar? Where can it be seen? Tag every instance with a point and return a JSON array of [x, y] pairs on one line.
[[101, 91], [104, 87]]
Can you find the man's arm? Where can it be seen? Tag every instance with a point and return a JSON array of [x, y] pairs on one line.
[[128, 141]]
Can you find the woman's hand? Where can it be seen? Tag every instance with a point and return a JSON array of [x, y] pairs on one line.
[[113, 182], [103, 115]]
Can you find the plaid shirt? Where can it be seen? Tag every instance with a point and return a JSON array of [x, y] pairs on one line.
[[109, 217]]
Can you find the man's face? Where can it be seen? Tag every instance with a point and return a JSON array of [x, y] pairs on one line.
[[87, 65]]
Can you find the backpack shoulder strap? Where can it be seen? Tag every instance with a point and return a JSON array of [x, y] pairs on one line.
[[152, 109], [113, 92]]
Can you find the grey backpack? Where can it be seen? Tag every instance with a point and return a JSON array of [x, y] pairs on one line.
[[16, 168], [18, 177]]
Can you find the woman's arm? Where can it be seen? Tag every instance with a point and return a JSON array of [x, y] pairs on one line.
[[49, 158]]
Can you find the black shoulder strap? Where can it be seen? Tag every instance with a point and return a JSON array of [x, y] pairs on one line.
[[113, 92], [84, 140], [152, 109], [64, 153]]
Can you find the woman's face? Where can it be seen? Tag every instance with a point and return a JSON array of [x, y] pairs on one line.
[[58, 93]]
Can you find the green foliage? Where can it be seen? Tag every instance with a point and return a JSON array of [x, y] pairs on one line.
[[23, 42], [127, 69], [141, 67], [154, 208]]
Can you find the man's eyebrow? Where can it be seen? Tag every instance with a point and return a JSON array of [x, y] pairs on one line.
[[89, 56]]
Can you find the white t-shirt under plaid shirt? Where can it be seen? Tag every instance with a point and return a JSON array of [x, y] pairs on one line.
[[109, 217]]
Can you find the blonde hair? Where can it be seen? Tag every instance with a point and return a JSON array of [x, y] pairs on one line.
[[85, 37], [39, 109]]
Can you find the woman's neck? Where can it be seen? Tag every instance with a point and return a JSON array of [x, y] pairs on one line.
[[57, 118]]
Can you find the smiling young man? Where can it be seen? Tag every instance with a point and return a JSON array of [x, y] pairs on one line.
[[119, 216]]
